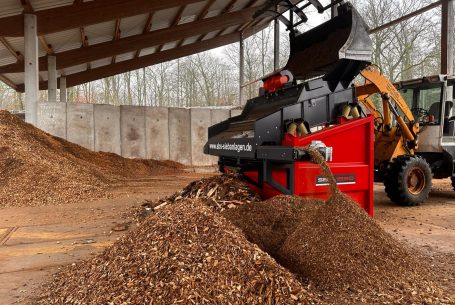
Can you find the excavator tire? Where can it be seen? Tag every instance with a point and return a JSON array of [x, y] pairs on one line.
[[407, 180]]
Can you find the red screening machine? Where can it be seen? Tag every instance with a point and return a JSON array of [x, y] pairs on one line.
[[298, 109]]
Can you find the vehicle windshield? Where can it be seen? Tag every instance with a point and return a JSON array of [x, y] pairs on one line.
[[425, 103]]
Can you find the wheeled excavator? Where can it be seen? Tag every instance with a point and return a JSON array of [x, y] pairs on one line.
[[330, 97]]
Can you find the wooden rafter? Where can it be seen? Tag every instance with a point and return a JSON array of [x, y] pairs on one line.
[[19, 57], [201, 16], [84, 43], [86, 13], [226, 9], [7, 81], [116, 35], [144, 61], [229, 7], [132, 43], [174, 22], [147, 28], [205, 10]]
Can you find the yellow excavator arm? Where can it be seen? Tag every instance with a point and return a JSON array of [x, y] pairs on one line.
[[390, 141]]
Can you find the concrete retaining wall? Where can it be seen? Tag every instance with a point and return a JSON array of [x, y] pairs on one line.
[[157, 133], [132, 131], [160, 133], [80, 125], [107, 129], [52, 118]]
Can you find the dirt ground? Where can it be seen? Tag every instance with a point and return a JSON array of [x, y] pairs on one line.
[[36, 241]]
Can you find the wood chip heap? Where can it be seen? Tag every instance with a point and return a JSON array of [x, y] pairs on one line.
[[38, 169], [183, 254], [191, 251]]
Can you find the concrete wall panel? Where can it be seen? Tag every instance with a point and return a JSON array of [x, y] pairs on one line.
[[219, 115], [80, 125], [132, 131], [200, 122], [157, 133], [180, 135], [52, 118], [236, 112], [107, 128]]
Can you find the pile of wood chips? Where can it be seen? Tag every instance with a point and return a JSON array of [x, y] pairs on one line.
[[190, 250], [336, 247], [185, 253], [39, 169]]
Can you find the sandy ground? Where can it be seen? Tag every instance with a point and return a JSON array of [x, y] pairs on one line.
[[36, 241]]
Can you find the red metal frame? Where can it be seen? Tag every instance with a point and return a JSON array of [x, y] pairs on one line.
[[352, 163]]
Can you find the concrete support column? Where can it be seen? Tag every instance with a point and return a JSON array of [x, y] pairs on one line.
[[276, 45], [241, 69], [63, 98], [447, 45], [31, 80], [52, 79]]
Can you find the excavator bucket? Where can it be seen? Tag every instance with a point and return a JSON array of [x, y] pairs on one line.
[[337, 49]]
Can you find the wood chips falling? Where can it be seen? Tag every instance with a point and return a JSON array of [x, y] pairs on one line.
[[39, 169]]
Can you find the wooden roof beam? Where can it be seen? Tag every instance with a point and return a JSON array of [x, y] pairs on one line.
[[19, 57], [175, 22], [8, 82], [147, 28], [86, 13], [142, 41], [116, 35], [144, 61], [84, 41]]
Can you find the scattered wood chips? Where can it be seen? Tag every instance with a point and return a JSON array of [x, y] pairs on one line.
[[219, 192], [39, 169]]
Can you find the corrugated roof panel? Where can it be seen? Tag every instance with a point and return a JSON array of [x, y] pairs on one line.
[[125, 56], [17, 78], [17, 43], [133, 25], [75, 69], [216, 8], [170, 45], [190, 40], [6, 57], [39, 5], [10, 8], [64, 41], [211, 35], [239, 4], [148, 51], [163, 19], [100, 32], [229, 30], [101, 62], [191, 11]]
